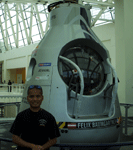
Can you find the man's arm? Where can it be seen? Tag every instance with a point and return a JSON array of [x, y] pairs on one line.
[[17, 140], [50, 143]]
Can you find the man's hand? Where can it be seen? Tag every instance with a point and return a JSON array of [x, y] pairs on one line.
[[37, 147]]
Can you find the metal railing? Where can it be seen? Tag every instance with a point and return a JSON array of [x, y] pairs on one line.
[[11, 103], [127, 106], [66, 146], [14, 88]]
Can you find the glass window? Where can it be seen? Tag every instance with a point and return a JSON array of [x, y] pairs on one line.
[[27, 22], [44, 25], [2, 19], [8, 24], [13, 45], [11, 39], [14, 27], [27, 14], [1, 36], [34, 21], [10, 31], [36, 38], [24, 35], [0, 10], [12, 13], [42, 17], [20, 36], [89, 62], [19, 16], [3, 25], [35, 30], [21, 43], [42, 9], [22, 25], [25, 40], [14, 20]]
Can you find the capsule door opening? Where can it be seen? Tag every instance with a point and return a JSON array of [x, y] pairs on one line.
[[91, 66]]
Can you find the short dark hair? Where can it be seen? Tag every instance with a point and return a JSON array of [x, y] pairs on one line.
[[34, 87]]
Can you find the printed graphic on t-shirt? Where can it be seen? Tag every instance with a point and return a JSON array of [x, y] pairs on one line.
[[42, 122]]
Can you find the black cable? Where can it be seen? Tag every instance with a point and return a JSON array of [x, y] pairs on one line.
[[53, 5], [60, 2]]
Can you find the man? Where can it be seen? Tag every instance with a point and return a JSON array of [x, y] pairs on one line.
[[9, 83], [37, 127]]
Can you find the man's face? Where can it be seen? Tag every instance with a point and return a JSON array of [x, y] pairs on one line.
[[35, 98]]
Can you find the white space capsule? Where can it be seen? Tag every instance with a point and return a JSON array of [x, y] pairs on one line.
[[79, 83]]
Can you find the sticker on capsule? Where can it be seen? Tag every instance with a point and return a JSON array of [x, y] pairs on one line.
[[97, 124], [44, 77], [44, 64]]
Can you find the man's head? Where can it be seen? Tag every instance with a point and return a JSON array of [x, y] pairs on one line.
[[35, 96]]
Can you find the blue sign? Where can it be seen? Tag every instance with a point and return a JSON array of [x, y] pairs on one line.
[[44, 64]]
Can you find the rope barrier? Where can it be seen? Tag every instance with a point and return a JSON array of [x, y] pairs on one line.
[[96, 145], [83, 146]]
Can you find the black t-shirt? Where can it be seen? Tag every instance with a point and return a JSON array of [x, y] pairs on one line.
[[35, 127]]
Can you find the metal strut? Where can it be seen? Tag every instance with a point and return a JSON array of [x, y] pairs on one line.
[[81, 83], [114, 91]]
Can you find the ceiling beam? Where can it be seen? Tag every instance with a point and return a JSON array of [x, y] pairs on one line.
[[4, 37], [100, 3], [39, 20], [17, 27], [106, 3], [24, 24], [30, 29], [6, 32], [107, 20], [25, 1], [98, 16], [8, 13]]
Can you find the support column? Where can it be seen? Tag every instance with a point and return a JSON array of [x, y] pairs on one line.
[[27, 60], [0, 72], [124, 49], [5, 71]]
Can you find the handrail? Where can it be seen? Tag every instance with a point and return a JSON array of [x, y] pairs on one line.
[[114, 91], [127, 106], [131, 105], [18, 87], [83, 146], [11, 95], [81, 83]]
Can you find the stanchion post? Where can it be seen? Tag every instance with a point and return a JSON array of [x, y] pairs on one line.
[[126, 116], [0, 145]]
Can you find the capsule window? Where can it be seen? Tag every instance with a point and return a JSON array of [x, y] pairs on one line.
[[90, 64]]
